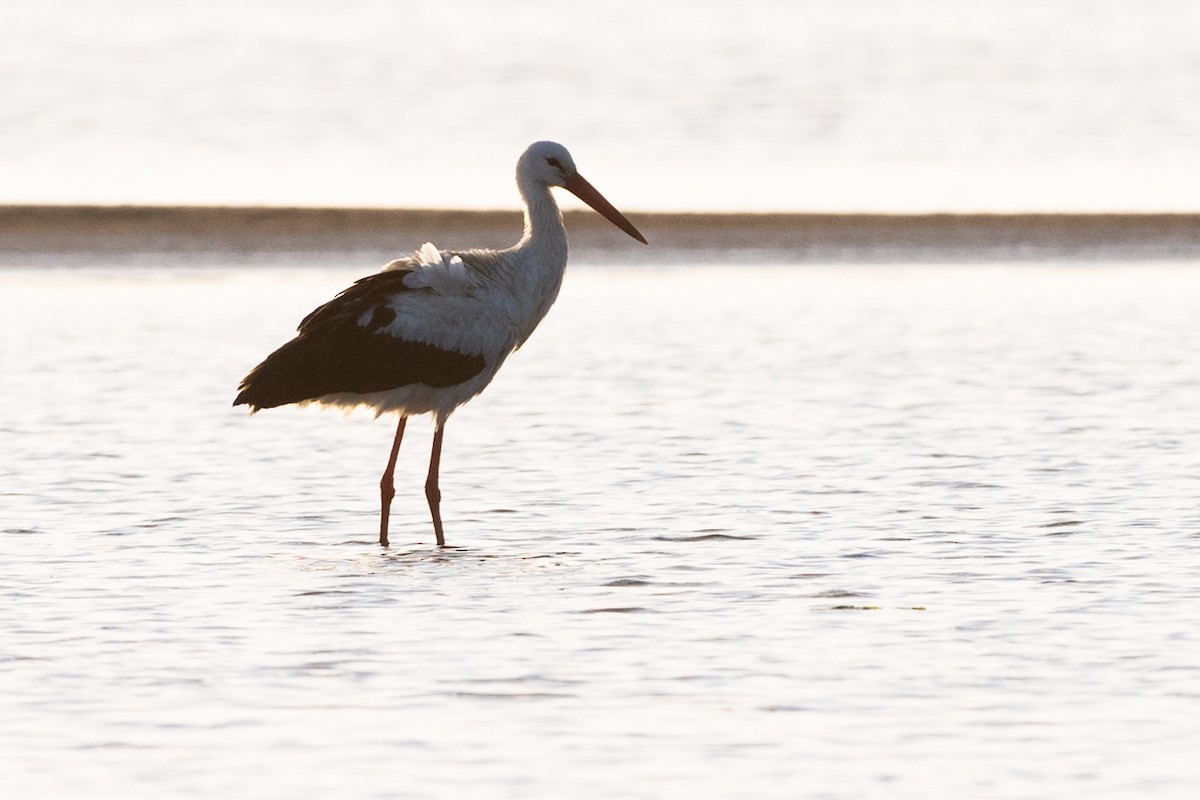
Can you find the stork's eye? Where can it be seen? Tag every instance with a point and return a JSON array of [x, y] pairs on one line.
[[554, 163]]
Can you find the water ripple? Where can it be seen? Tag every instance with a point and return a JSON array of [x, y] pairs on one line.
[[960, 542]]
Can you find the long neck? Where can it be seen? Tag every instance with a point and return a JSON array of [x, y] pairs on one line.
[[534, 267], [544, 230]]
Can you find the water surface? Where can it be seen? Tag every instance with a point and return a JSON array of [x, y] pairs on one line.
[[767, 105], [752, 530]]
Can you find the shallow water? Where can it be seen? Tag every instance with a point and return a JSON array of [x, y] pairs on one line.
[[841, 532]]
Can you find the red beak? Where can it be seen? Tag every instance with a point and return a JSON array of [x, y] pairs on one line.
[[577, 186]]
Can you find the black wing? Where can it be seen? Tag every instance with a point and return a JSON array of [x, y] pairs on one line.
[[333, 353]]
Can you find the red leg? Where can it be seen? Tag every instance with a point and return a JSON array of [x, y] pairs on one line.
[[387, 488], [432, 493]]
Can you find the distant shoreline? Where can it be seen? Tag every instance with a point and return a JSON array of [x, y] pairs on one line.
[[189, 235]]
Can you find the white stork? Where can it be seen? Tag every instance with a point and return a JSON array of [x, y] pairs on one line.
[[429, 331]]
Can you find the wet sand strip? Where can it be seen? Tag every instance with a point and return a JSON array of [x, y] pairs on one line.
[[81, 235]]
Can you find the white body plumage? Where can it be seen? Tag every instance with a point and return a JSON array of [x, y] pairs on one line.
[[475, 302]]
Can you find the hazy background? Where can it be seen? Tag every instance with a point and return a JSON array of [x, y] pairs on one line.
[[790, 105]]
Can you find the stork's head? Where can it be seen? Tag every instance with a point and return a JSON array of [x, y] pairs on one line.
[[549, 164]]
